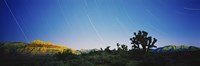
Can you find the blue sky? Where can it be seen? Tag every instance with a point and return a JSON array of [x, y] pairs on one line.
[[99, 23]]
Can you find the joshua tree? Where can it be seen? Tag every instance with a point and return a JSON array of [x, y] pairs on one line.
[[118, 47], [123, 47], [107, 49], [101, 49], [142, 39]]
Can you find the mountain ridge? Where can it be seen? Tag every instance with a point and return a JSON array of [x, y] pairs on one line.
[[174, 48]]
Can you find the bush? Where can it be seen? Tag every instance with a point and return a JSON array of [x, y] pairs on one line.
[[66, 55], [81, 62], [119, 61], [133, 63]]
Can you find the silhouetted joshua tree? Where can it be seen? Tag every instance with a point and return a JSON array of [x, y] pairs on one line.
[[118, 47], [142, 39], [107, 49], [122, 48]]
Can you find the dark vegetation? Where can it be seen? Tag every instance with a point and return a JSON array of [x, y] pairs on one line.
[[39, 53]]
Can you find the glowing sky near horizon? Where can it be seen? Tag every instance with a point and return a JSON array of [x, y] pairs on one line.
[[91, 24]]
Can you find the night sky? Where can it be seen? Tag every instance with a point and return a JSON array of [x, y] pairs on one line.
[[99, 23]]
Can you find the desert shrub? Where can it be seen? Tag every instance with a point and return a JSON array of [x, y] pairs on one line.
[[133, 63], [100, 58], [66, 55], [10, 48], [81, 62], [56, 63], [118, 61], [154, 61]]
